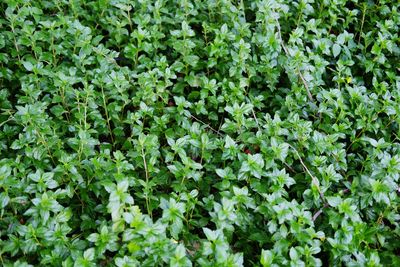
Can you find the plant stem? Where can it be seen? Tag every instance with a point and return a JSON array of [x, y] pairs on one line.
[[362, 23], [147, 183], [107, 117], [315, 181], [310, 97]]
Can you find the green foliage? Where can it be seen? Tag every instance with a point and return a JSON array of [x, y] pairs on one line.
[[199, 133]]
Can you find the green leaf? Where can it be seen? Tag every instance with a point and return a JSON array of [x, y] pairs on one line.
[[4, 200], [336, 50], [334, 201], [28, 65], [267, 258], [89, 254]]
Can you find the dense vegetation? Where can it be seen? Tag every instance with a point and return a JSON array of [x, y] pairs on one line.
[[206, 133]]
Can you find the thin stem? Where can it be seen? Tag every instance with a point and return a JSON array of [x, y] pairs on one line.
[[207, 125], [15, 42], [298, 70], [43, 141], [306, 86], [64, 103], [319, 212], [4, 122], [254, 115], [355, 140], [290, 168], [362, 23], [130, 21], [107, 117], [79, 105], [147, 183], [52, 47], [314, 180], [85, 109]]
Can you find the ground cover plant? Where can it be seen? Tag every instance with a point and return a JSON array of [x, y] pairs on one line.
[[199, 133]]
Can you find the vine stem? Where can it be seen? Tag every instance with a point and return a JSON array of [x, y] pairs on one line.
[[15, 42], [362, 23], [319, 212], [207, 125], [43, 141], [255, 118], [314, 180], [107, 117], [147, 182], [303, 80], [4, 122]]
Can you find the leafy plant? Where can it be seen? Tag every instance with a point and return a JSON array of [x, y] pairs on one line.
[[199, 133]]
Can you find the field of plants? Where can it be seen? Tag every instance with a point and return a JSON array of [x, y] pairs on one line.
[[199, 133]]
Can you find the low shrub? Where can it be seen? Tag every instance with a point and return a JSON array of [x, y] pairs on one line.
[[206, 133]]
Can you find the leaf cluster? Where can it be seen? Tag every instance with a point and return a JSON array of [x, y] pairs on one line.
[[199, 133]]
